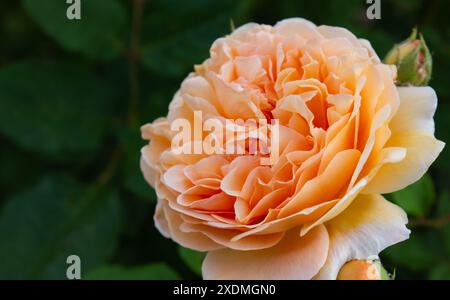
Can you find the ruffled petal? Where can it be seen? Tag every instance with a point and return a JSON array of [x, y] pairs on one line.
[[170, 223]]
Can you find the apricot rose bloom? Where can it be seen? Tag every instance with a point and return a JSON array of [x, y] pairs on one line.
[[347, 135]]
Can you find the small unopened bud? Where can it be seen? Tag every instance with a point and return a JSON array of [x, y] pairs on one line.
[[363, 270], [413, 60]]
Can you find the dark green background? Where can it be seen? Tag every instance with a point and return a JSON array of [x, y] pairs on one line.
[[74, 93]]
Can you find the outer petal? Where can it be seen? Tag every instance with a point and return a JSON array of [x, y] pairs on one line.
[[172, 223], [412, 128], [299, 26], [294, 257], [160, 220], [331, 32], [366, 227]]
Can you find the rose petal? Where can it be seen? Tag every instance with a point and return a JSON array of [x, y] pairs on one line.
[[326, 186], [412, 128], [299, 26], [364, 229], [192, 240], [294, 257]]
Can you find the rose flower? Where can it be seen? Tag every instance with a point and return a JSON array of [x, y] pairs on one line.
[[346, 135]]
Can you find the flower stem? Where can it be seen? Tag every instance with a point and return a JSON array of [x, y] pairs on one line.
[[133, 58], [433, 223]]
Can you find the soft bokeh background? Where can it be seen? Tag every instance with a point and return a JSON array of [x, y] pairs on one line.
[[74, 93]]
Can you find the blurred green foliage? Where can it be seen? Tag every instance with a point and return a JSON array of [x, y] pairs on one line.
[[72, 97]]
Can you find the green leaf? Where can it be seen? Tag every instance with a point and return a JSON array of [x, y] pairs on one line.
[[443, 203], [440, 272], [156, 271], [416, 253], [445, 232], [98, 34], [416, 199], [193, 259], [59, 110], [181, 38], [13, 162], [43, 225], [443, 213], [133, 179], [442, 125]]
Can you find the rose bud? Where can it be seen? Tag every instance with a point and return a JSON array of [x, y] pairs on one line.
[[363, 270], [413, 60]]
